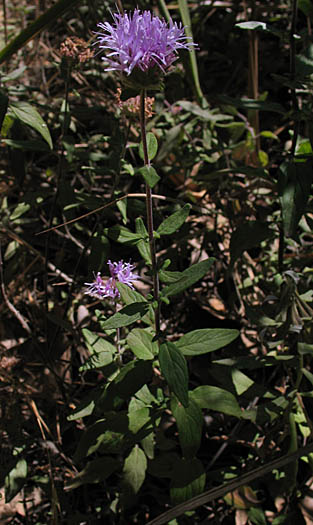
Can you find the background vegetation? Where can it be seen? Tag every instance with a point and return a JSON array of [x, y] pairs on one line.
[[84, 439]]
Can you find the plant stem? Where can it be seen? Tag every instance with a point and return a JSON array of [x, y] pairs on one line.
[[149, 208]]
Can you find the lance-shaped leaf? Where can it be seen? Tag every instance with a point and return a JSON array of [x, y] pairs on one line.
[[101, 351], [143, 243], [95, 471], [215, 398], [134, 471], [15, 479], [172, 223], [189, 423], [174, 369], [130, 296], [140, 342], [206, 340], [126, 316], [188, 277], [27, 114], [152, 146], [295, 188], [150, 175]]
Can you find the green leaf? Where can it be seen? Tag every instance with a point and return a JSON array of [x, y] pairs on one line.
[[215, 398], [174, 368], [143, 245], [152, 146], [111, 435], [93, 438], [150, 175], [172, 223], [133, 376], [123, 235], [189, 423], [102, 351], [205, 114], [241, 382], [20, 209], [295, 182], [205, 340], [134, 471], [26, 145], [248, 235], [95, 471], [84, 409], [87, 404], [305, 348], [169, 277], [15, 480], [141, 228], [128, 315], [148, 444], [257, 516], [27, 114], [304, 66], [137, 417], [140, 342], [188, 480], [144, 250], [188, 277], [130, 296]]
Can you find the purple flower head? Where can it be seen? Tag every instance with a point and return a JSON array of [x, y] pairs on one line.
[[121, 272], [141, 40]]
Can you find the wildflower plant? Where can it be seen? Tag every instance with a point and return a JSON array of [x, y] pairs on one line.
[[141, 47]]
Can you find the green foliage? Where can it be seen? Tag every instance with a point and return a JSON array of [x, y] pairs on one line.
[[215, 398], [150, 175], [28, 115], [206, 340], [174, 368], [15, 479], [152, 147], [188, 278], [189, 423], [172, 223], [295, 187]]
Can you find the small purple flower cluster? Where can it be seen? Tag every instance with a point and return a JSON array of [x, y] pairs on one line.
[[141, 40], [119, 271]]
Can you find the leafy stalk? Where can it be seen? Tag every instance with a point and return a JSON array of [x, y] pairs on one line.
[[149, 208]]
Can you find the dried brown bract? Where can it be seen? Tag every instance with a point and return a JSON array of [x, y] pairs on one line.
[[76, 49], [131, 106]]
